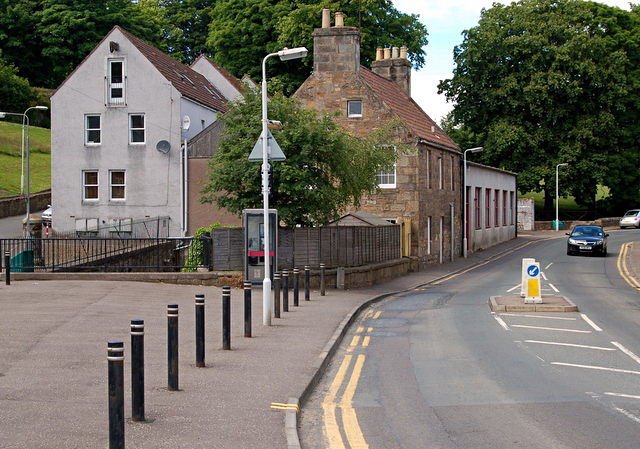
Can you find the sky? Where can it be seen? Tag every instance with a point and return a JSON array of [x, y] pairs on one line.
[[445, 21]]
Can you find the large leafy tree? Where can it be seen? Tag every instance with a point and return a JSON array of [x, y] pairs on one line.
[[242, 32], [15, 93], [542, 82], [325, 169]]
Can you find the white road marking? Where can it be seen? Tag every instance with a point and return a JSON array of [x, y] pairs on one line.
[[554, 287], [626, 351], [628, 414], [501, 322], [622, 395], [601, 368], [590, 323], [551, 329], [548, 266], [539, 316], [544, 276], [600, 348], [513, 288]]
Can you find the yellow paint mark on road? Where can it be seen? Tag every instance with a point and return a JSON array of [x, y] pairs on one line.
[[622, 267], [368, 313], [377, 314], [283, 406], [369, 329], [365, 341], [331, 429], [349, 419], [360, 330], [355, 341]]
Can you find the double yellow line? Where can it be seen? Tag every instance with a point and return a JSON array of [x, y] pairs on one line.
[[622, 266], [333, 402]]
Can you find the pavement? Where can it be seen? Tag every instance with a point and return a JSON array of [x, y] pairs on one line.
[[53, 365]]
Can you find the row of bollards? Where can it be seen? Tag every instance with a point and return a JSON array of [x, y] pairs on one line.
[[115, 349]]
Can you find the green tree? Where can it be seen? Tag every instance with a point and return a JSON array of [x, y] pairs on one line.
[[325, 171], [15, 93], [242, 32], [549, 81]]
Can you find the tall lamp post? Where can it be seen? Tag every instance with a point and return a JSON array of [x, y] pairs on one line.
[[284, 55], [464, 200], [557, 222], [25, 120]]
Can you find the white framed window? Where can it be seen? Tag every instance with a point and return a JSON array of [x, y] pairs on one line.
[[92, 129], [386, 179], [136, 129], [90, 185], [117, 185], [115, 82], [354, 108]]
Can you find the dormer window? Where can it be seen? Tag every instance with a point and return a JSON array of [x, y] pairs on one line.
[[115, 82], [354, 108]]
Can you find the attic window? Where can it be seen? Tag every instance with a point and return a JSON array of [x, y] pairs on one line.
[[354, 108]]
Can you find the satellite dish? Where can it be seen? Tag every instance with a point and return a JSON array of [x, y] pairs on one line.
[[163, 146]]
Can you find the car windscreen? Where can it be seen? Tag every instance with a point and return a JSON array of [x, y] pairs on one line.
[[632, 213], [587, 232]]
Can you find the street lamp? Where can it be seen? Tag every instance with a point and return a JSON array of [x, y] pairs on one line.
[[557, 223], [464, 201], [25, 119], [284, 55]]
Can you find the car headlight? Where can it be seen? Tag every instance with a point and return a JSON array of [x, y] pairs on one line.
[[599, 242], [573, 241]]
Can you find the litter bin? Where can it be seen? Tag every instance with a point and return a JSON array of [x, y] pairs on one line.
[[557, 225], [22, 262]]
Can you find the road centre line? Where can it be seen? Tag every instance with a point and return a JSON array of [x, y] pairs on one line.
[[554, 287], [540, 316], [601, 368], [590, 323], [626, 351], [501, 322], [622, 395], [513, 288], [548, 266], [628, 414], [600, 348], [551, 329]]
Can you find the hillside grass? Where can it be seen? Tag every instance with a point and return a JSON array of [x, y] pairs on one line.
[[11, 158]]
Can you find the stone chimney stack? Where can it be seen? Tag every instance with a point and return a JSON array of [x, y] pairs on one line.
[[394, 66], [335, 49]]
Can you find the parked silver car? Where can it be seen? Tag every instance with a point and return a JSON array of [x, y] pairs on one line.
[[631, 219], [46, 215]]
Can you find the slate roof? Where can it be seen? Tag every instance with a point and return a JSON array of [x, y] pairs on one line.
[[187, 81], [407, 109]]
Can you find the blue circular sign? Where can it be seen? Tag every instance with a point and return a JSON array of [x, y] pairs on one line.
[[533, 270]]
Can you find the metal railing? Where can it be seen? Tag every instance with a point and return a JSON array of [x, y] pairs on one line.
[[97, 254]]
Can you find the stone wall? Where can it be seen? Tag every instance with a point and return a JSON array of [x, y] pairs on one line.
[[16, 205]]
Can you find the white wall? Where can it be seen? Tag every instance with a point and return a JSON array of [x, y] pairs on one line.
[[221, 83]]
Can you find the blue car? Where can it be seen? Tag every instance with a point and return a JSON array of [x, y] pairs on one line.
[[587, 239]]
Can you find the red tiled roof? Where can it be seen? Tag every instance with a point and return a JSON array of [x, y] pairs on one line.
[[407, 110], [189, 83]]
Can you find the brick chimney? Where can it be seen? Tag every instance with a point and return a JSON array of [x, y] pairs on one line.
[[337, 48], [392, 64]]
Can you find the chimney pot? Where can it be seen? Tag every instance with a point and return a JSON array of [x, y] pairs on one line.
[[395, 52], [387, 53], [339, 19], [326, 17], [379, 53], [403, 52]]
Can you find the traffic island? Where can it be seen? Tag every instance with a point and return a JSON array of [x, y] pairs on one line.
[[515, 303]]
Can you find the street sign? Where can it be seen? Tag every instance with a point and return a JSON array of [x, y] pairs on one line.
[[274, 151], [533, 270], [532, 286], [186, 122]]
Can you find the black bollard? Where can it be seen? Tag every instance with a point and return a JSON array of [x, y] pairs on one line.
[[7, 268], [322, 280], [307, 281], [285, 290], [200, 330], [276, 294], [247, 308], [115, 361], [172, 346], [296, 287], [226, 318], [137, 370]]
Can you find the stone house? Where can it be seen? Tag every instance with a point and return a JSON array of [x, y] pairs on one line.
[[423, 188], [118, 130]]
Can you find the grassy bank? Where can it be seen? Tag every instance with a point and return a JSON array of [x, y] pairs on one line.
[[11, 158]]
